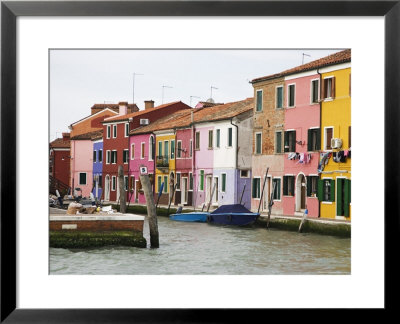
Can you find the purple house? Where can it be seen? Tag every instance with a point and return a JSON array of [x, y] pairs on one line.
[[97, 165]]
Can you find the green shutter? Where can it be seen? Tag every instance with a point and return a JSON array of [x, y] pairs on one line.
[[339, 207], [201, 180], [333, 190], [347, 191], [294, 142], [309, 140], [253, 191], [285, 186], [292, 186], [318, 138], [286, 142], [308, 186], [259, 100], [320, 189]]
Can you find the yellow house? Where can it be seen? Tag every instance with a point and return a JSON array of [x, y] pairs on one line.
[[165, 163], [334, 186]]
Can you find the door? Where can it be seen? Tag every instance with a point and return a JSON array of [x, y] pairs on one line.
[[136, 190], [184, 191], [215, 198], [267, 193], [303, 193], [107, 188], [208, 188]]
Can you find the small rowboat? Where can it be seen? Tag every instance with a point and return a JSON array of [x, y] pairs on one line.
[[190, 217]]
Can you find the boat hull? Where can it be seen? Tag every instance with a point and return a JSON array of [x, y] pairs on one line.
[[190, 217], [237, 219]]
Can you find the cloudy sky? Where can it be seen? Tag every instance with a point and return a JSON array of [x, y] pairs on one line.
[[81, 78]]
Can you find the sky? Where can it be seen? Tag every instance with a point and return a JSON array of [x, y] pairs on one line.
[[81, 78]]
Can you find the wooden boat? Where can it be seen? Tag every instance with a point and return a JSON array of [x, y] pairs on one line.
[[235, 214]]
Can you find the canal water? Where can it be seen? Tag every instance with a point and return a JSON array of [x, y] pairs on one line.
[[200, 249]]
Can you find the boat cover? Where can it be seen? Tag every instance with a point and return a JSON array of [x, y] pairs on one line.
[[234, 208]]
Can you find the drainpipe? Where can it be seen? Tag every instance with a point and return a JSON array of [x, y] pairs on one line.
[[320, 123], [236, 155]]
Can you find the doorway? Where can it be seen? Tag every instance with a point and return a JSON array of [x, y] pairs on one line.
[[107, 188], [301, 191], [184, 191]]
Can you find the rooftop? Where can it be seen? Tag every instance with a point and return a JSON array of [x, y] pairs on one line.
[[60, 143], [88, 136]]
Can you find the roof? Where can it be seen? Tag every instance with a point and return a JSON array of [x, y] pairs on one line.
[[60, 143], [97, 135], [88, 136], [336, 58], [204, 104], [114, 107], [139, 113], [167, 122], [92, 115]]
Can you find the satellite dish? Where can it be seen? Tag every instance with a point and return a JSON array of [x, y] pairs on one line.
[[211, 100]]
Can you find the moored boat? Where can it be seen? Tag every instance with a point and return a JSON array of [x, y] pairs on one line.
[[190, 217], [234, 214]]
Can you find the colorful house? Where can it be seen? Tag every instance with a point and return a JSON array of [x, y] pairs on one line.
[[268, 134], [97, 141], [59, 166], [334, 186], [116, 141]]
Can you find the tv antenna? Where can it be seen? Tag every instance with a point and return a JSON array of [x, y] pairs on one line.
[[191, 99], [304, 54], [133, 86], [164, 86]]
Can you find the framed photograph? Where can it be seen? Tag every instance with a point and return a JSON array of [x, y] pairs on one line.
[[34, 287]]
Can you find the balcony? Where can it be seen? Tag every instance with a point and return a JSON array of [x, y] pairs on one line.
[[162, 162]]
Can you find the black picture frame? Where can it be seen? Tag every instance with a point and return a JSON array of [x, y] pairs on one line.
[[10, 10]]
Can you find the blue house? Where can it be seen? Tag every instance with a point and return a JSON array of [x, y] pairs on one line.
[[98, 164]]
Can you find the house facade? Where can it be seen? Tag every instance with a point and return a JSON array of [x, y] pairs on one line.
[[98, 155], [59, 163], [334, 187], [268, 150]]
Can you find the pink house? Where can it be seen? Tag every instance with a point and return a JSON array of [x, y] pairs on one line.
[[301, 144], [82, 162]]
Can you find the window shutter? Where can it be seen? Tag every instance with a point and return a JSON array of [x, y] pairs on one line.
[[294, 142], [323, 89], [292, 186], [333, 87], [346, 207], [286, 142], [285, 186], [253, 192], [320, 189], [333, 190], [309, 140], [339, 202], [318, 138], [309, 186]]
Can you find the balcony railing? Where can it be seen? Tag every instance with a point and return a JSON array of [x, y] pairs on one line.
[[162, 161]]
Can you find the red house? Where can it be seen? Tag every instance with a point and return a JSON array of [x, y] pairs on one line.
[[59, 166], [116, 141]]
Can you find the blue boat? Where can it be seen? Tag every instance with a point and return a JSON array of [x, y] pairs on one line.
[[235, 214], [190, 217]]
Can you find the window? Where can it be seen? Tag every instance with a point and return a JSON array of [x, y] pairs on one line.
[[230, 137], [172, 149], [328, 88], [312, 186], [94, 156], [166, 150], [82, 178], [288, 185], [190, 181], [142, 150], [349, 136], [343, 197], [223, 182], [197, 142], [179, 149], [210, 139], [191, 149], [291, 95], [113, 157], [125, 156], [108, 131], [258, 143], [326, 190], [100, 181], [108, 157], [160, 149], [279, 97], [178, 181], [328, 137], [132, 151], [278, 142], [100, 157], [201, 180], [259, 100], [113, 183], [277, 191], [314, 139], [290, 141], [114, 131], [314, 91], [255, 192], [126, 183], [165, 184], [217, 138], [126, 129], [151, 148], [244, 173], [159, 183]]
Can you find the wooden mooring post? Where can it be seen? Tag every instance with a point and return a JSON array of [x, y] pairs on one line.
[[151, 211], [303, 219], [122, 194]]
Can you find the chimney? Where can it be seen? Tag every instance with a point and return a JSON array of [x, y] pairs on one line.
[[123, 108], [148, 104], [66, 137]]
